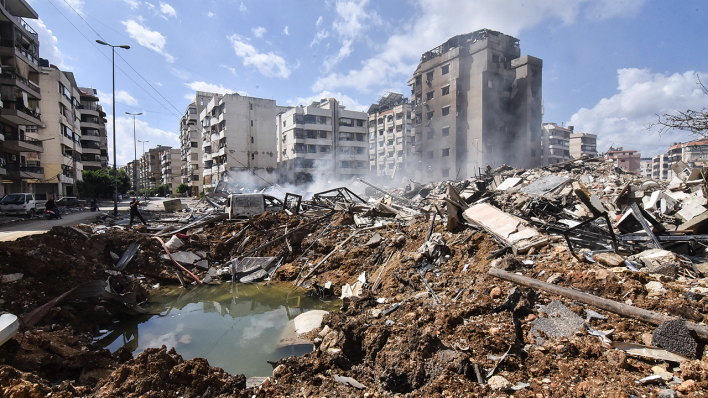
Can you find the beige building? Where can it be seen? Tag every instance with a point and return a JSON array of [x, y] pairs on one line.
[[238, 143], [61, 133], [555, 144], [391, 135], [625, 159], [477, 102], [20, 167], [170, 168], [583, 144], [322, 141], [190, 136], [94, 141], [150, 171]]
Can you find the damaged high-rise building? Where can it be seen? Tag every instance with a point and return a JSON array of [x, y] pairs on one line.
[[477, 102]]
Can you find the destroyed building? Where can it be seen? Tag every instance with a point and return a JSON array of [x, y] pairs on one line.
[[391, 135], [237, 136], [477, 102], [693, 154], [322, 140]]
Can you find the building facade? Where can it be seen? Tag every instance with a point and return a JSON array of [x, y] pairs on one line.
[[20, 115], [477, 102], [391, 135], [555, 144], [94, 141], [238, 143], [61, 133], [627, 160], [150, 172], [693, 153], [190, 136], [322, 141], [170, 168], [583, 144], [645, 167]]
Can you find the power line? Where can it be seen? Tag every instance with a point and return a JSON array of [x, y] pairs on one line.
[[106, 56]]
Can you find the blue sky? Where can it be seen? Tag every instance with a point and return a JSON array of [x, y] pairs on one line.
[[609, 65]]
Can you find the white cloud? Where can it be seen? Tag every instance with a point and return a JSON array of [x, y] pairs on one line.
[[151, 39], [208, 87], [230, 69], [352, 18], [286, 30], [622, 119], [259, 31], [122, 97], [167, 10], [349, 102], [243, 8], [77, 5], [344, 52], [321, 35], [124, 136], [269, 64], [133, 4], [49, 49], [438, 20], [210, 14], [319, 21]]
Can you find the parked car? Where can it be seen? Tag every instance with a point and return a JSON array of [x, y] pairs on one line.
[[22, 204], [70, 201]]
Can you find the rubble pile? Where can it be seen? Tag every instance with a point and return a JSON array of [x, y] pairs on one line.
[[572, 280]]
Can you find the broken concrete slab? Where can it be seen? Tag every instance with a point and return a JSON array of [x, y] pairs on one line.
[[309, 320], [675, 337], [609, 259], [7, 278], [184, 258], [559, 322], [545, 184], [508, 183], [254, 277], [691, 211], [503, 224]]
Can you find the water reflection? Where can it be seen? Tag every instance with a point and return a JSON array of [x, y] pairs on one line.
[[236, 327]]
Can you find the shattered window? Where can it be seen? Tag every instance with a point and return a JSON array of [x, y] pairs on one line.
[[445, 69], [446, 90], [429, 96]]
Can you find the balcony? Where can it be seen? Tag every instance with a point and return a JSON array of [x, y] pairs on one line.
[[20, 143], [28, 86], [19, 115], [12, 48], [17, 170]]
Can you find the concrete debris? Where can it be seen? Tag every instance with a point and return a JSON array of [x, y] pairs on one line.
[[675, 337], [558, 322]]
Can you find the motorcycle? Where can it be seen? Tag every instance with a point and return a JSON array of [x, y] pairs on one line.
[[51, 214], [94, 206]]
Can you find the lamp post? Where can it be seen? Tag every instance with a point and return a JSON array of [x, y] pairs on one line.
[[143, 152], [115, 167], [135, 155]]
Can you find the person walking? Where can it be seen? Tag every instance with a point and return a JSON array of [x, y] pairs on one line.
[[134, 212]]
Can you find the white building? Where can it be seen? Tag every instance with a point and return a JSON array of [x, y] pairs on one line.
[[391, 135], [238, 140], [555, 144], [322, 140], [170, 168]]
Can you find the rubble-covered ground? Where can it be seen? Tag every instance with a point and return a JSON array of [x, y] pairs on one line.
[[473, 335]]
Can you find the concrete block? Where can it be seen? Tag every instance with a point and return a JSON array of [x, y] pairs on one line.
[[675, 337]]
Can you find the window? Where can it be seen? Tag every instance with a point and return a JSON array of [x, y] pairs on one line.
[[251, 105], [446, 152], [253, 156], [445, 131], [429, 96], [251, 140], [399, 154], [324, 148], [251, 123], [195, 144], [399, 140], [429, 76], [323, 134], [285, 123], [312, 149], [446, 90], [445, 173], [431, 135], [360, 123], [430, 154], [445, 69], [430, 115], [446, 110]]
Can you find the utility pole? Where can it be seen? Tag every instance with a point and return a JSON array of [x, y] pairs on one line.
[[135, 154]]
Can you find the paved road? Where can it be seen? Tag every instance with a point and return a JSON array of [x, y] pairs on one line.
[[12, 231]]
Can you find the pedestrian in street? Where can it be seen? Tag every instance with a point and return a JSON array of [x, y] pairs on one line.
[[134, 212]]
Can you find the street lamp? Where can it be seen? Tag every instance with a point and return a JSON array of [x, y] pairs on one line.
[[143, 155], [135, 155], [115, 167]]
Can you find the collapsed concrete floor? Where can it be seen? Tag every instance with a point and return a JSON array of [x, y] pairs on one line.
[[428, 321]]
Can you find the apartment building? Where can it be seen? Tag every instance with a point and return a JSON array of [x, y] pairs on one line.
[[150, 172], [237, 138], [94, 139], [391, 135], [627, 160], [170, 168], [477, 102], [555, 144], [693, 153], [132, 173], [645, 167], [582, 144], [322, 141], [62, 155], [190, 136], [20, 95]]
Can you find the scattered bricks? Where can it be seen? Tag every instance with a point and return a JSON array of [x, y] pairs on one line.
[[609, 259], [674, 336]]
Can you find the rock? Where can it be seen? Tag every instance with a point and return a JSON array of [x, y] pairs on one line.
[[646, 338], [554, 279], [668, 393], [280, 371], [687, 387], [324, 331], [609, 259], [12, 277], [674, 336], [666, 269], [655, 289], [617, 358], [376, 312], [422, 295], [498, 383], [604, 275], [495, 293], [694, 370], [330, 340]]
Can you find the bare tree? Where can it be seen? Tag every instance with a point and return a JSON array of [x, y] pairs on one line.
[[694, 121]]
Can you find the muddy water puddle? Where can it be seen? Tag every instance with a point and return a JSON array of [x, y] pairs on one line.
[[235, 327]]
